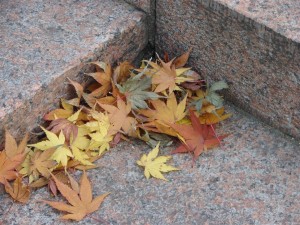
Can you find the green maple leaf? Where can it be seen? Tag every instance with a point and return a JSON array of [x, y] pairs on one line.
[[136, 90]]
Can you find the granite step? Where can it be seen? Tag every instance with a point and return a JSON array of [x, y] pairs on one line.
[[43, 43], [253, 45], [253, 179]]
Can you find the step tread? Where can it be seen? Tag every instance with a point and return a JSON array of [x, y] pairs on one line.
[[281, 16], [41, 40], [252, 179]]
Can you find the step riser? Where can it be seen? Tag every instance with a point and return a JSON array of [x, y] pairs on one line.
[[261, 66]]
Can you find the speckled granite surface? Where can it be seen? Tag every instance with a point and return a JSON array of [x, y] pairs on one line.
[[253, 45], [253, 179], [282, 16], [147, 6], [44, 42]]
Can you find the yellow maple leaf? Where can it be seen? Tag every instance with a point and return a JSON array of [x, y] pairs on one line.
[[165, 114], [65, 112], [154, 166], [62, 152], [99, 132]]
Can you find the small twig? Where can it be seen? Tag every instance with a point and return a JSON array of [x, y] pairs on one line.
[[101, 220]]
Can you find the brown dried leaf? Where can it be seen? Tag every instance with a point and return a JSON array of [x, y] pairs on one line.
[[81, 204], [19, 192]]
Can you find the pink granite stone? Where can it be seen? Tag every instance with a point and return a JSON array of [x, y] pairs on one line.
[[253, 45], [253, 178], [147, 6], [45, 42]]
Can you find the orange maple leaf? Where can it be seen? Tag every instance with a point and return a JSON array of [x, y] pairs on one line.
[[81, 204], [164, 115], [118, 117], [196, 137], [8, 166], [165, 77], [103, 76]]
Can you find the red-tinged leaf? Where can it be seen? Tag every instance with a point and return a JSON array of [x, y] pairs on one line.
[[181, 60], [197, 137]]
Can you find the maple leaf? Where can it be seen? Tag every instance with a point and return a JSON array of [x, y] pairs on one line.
[[165, 114], [19, 192], [99, 132], [196, 137], [214, 117], [135, 90], [8, 166], [38, 163], [210, 96], [65, 112], [122, 72], [62, 151], [67, 126], [79, 91], [167, 77], [118, 117], [154, 166], [81, 204], [11, 147], [103, 77], [181, 60]]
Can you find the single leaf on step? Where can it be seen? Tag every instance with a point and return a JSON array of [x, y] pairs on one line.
[[155, 166], [196, 137], [19, 192], [81, 204]]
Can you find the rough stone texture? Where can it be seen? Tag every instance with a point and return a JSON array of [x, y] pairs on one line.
[[44, 42], [253, 179], [147, 6], [253, 45]]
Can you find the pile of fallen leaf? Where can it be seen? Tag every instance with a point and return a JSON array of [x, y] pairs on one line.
[[160, 99]]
